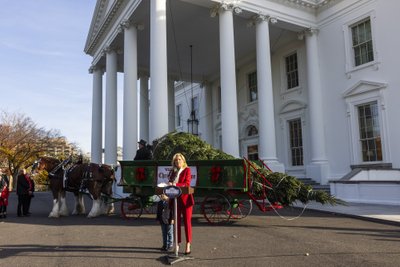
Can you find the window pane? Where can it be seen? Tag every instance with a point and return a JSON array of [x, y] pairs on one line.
[[252, 83], [296, 142], [362, 43], [252, 152], [292, 75], [252, 130], [370, 136]]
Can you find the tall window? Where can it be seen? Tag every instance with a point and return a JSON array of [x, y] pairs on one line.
[[370, 134], [252, 83], [179, 115], [252, 150], [292, 73], [296, 142], [362, 42]]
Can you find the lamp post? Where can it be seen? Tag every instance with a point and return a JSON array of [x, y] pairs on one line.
[[193, 122]]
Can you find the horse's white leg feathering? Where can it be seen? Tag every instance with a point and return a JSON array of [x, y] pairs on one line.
[[82, 209], [55, 211], [63, 207], [110, 208], [95, 211], [79, 205]]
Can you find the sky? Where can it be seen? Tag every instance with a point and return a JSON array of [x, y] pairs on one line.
[[43, 68]]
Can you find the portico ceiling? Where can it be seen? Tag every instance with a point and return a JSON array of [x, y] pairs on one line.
[[189, 23]]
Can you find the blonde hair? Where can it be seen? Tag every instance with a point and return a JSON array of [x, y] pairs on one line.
[[182, 157]]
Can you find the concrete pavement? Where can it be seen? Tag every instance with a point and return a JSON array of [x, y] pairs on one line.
[[374, 212]]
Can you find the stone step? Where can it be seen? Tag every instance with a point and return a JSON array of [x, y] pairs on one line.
[[307, 181], [325, 188], [315, 185]]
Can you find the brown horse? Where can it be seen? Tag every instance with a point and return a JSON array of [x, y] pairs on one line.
[[96, 179]]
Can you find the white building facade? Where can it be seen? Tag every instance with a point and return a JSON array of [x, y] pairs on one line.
[[310, 87]]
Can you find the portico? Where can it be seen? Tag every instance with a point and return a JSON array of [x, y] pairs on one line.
[[150, 40]]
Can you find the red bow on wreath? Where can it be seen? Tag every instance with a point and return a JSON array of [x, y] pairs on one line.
[[215, 174], [140, 175]]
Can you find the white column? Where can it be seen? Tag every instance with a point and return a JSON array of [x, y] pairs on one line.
[[318, 168], [158, 70], [266, 131], [171, 105], [97, 116], [229, 113], [144, 108], [130, 116], [110, 138]]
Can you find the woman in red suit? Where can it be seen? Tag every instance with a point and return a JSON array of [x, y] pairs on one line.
[[181, 176]]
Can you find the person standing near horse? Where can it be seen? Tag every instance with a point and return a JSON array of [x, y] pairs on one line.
[[31, 189], [142, 153], [181, 176], [23, 192], [4, 193]]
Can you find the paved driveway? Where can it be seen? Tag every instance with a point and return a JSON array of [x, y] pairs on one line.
[[258, 240]]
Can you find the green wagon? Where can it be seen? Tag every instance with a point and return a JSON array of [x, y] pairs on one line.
[[222, 188]]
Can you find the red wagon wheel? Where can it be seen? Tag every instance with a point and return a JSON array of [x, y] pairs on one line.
[[131, 208], [241, 208], [216, 209]]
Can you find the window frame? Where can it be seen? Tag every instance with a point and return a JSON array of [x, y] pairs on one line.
[[290, 139], [373, 138], [360, 44], [292, 110], [348, 42], [293, 53], [299, 51], [249, 88], [362, 93]]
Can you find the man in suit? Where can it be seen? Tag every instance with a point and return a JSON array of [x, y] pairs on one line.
[[142, 153]]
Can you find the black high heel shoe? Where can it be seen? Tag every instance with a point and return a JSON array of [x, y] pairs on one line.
[[190, 250]]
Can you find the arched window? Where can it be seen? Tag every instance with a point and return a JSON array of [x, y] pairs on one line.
[[252, 130]]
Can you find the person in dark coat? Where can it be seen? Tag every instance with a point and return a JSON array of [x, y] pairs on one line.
[[164, 216], [23, 192], [31, 189], [142, 153]]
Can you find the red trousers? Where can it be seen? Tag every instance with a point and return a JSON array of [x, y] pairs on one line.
[[186, 213]]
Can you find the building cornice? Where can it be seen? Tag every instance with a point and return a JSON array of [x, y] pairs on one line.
[[100, 26], [307, 5]]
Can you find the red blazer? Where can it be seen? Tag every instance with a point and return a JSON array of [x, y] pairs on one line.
[[184, 180], [4, 196]]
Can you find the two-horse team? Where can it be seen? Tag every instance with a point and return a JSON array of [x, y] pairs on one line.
[[80, 178]]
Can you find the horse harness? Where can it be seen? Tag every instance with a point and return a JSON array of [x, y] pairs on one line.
[[60, 166], [88, 176]]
